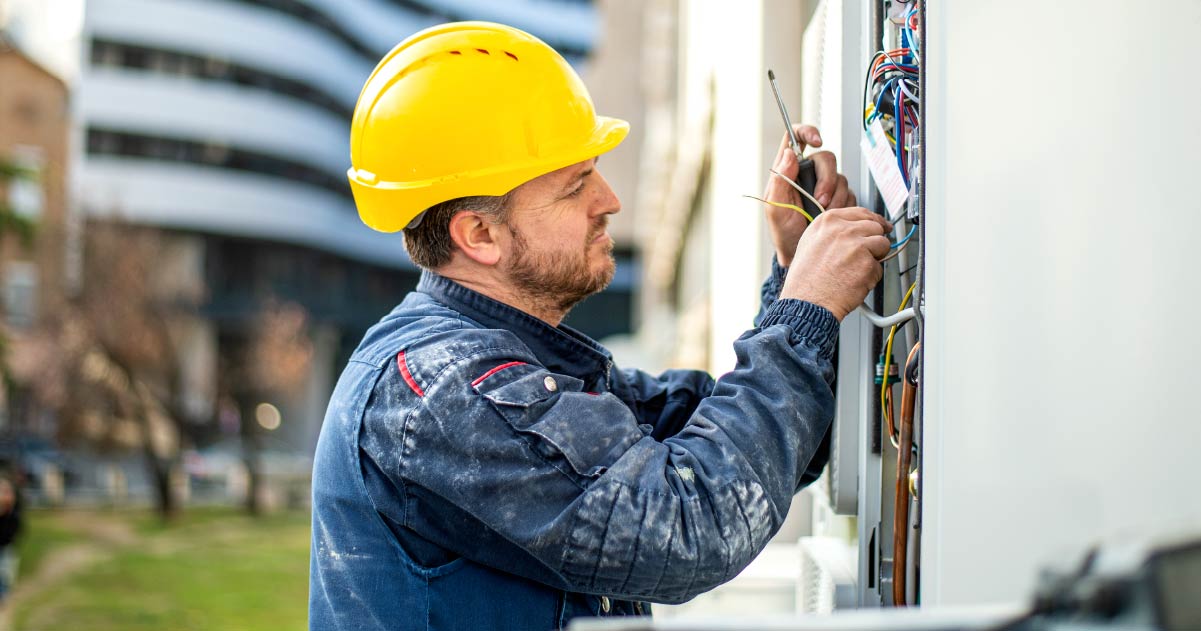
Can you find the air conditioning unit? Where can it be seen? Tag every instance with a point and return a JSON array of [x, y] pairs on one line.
[[827, 579]]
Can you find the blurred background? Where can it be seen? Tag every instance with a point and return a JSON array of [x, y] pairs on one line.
[[183, 273]]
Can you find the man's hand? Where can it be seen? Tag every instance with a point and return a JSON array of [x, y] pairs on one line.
[[788, 225], [837, 260]]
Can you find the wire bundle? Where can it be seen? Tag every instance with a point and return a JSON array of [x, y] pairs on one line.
[[893, 89], [892, 100]]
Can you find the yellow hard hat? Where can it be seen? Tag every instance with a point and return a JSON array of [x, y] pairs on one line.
[[462, 109]]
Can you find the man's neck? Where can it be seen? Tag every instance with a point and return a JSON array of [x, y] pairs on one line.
[[495, 288]]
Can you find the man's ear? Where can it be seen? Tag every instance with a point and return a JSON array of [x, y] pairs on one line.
[[476, 237]]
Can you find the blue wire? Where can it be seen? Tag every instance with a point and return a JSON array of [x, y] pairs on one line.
[[876, 109], [902, 241], [880, 98], [896, 117]]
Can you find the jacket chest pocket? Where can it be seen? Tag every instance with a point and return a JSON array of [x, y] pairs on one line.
[[579, 433]]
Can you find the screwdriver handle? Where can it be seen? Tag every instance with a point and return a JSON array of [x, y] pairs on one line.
[[806, 178]]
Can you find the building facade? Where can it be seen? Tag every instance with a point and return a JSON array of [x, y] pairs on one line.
[[34, 128], [227, 123]]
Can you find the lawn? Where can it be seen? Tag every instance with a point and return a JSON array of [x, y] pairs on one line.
[[214, 569], [46, 536]]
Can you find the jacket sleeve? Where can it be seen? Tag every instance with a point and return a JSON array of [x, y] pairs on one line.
[[588, 500], [770, 291], [667, 401]]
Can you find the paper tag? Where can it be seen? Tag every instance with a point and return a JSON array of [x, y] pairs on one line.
[[883, 164]]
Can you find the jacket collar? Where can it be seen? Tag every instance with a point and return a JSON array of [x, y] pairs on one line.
[[560, 349]]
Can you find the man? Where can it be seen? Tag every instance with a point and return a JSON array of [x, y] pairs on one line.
[[482, 466], [10, 527]]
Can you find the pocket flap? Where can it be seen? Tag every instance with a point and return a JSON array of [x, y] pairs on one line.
[[516, 384]]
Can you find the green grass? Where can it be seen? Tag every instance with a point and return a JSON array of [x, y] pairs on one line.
[[212, 570], [149, 523], [40, 535]]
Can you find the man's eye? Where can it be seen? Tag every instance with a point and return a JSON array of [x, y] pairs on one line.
[[576, 193]]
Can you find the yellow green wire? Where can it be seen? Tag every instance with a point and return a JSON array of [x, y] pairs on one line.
[[783, 205], [891, 140], [888, 355]]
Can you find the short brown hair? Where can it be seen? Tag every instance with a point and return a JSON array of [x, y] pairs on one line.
[[429, 242]]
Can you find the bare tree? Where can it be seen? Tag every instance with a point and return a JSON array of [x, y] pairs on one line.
[[107, 361], [275, 361]]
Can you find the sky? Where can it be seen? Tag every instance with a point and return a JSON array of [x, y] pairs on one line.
[[48, 30]]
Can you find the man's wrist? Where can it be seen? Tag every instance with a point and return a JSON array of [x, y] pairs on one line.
[[800, 290]]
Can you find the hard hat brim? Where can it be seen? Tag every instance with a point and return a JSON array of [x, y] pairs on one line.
[[391, 206]]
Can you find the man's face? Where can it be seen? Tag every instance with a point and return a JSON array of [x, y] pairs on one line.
[[560, 252]]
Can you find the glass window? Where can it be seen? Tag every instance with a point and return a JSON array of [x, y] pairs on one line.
[[20, 293], [26, 194], [176, 63]]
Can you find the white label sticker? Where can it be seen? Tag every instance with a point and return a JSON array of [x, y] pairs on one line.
[[883, 164]]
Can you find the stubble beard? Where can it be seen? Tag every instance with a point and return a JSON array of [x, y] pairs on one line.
[[559, 280]]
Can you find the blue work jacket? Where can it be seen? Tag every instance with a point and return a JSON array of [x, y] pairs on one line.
[[481, 469]]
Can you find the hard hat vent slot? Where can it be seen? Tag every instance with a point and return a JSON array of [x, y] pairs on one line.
[[512, 55], [481, 50], [455, 52]]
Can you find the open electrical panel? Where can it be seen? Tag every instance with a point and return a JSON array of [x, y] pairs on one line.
[[863, 80]]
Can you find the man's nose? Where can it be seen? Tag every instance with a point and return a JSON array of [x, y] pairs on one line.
[[607, 202]]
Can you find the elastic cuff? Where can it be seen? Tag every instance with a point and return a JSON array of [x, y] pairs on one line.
[[810, 324], [774, 283], [778, 272]]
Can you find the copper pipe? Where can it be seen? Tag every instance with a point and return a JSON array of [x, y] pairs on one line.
[[900, 512], [890, 413]]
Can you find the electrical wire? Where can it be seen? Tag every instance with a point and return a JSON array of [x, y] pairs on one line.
[[884, 385], [911, 96], [884, 322], [783, 205], [897, 73], [902, 242], [800, 190]]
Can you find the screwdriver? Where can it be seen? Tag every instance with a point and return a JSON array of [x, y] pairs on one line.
[[806, 173]]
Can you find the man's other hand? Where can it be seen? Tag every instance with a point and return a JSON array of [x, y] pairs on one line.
[[837, 260], [831, 191]]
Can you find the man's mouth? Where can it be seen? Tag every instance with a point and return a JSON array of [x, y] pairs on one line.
[[602, 233]]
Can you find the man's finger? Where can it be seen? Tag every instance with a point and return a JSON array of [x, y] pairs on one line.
[[878, 246], [807, 135], [786, 164], [859, 213], [827, 176], [842, 194], [785, 149], [863, 214], [866, 228]]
